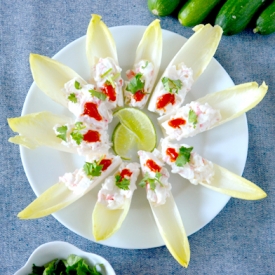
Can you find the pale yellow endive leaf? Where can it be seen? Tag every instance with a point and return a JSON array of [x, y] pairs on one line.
[[235, 101], [147, 50], [104, 228], [53, 199], [231, 102], [99, 41], [196, 54], [59, 196], [233, 185], [36, 130], [151, 52], [199, 49], [172, 231], [51, 75]]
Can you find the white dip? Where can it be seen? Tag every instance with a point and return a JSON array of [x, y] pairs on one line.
[[205, 118], [114, 197], [162, 191], [197, 170], [146, 69], [179, 72]]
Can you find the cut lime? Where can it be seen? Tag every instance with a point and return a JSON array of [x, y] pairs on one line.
[[124, 142], [140, 131]]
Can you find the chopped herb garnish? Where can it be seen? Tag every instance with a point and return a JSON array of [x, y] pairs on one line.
[[97, 94], [62, 130], [146, 64], [135, 84], [79, 125], [122, 183], [77, 85], [171, 86], [184, 156], [151, 181], [93, 169], [75, 134], [72, 98], [111, 79], [192, 117], [72, 265], [106, 73]]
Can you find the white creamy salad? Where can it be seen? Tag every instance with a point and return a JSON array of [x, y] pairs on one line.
[[85, 138], [120, 187], [138, 88], [190, 120], [92, 173], [78, 95], [176, 81], [78, 181], [107, 72], [197, 170], [160, 188]]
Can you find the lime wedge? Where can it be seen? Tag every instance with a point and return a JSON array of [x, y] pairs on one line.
[[124, 142], [135, 131]]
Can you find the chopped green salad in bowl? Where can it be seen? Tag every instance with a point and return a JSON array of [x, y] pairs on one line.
[[63, 258]]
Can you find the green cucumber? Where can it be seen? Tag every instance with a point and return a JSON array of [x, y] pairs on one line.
[[162, 7], [265, 23], [235, 15], [194, 12]]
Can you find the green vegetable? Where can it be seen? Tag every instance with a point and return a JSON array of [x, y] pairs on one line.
[[151, 181], [192, 117], [235, 15], [184, 156], [171, 86], [73, 265], [77, 85], [93, 169], [265, 23], [122, 183], [75, 134], [162, 7], [106, 73], [62, 130], [97, 94], [135, 84], [193, 12], [72, 98]]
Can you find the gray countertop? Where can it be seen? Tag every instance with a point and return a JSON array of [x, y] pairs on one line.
[[240, 240]]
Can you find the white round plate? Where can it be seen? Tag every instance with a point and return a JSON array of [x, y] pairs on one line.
[[61, 250], [225, 145]]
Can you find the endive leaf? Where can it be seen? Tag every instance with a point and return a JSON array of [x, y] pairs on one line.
[[196, 54], [99, 42], [51, 75], [199, 49], [171, 228], [210, 175], [236, 100], [231, 102], [36, 130], [59, 196], [233, 185], [53, 199], [107, 221], [149, 52]]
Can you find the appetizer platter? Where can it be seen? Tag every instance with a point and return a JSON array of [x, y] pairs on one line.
[[118, 114]]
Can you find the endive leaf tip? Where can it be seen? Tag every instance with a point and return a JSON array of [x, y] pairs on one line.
[[96, 17], [198, 27]]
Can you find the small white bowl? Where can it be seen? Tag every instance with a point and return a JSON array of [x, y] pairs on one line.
[[61, 250]]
